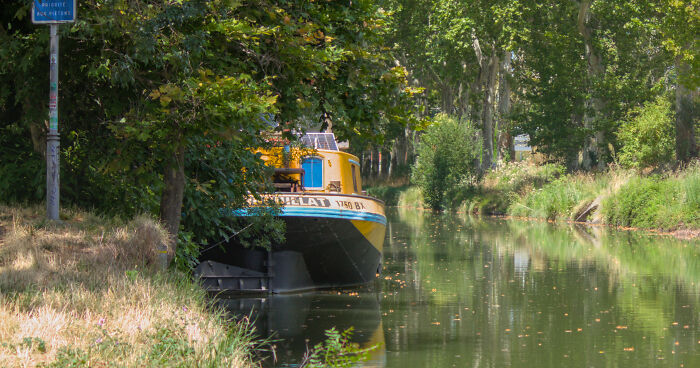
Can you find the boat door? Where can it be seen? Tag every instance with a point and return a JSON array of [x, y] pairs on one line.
[[313, 172]]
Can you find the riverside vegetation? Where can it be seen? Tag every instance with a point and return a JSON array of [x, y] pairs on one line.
[[639, 189], [88, 292], [622, 197]]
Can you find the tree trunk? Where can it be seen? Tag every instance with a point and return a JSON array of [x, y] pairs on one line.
[[487, 109], [171, 199], [592, 153], [505, 139], [390, 163], [686, 117]]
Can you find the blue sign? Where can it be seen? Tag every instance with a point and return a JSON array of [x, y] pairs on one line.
[[53, 11]]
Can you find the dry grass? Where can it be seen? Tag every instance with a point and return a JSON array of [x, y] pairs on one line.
[[83, 293]]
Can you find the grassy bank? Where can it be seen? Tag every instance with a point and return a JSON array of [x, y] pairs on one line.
[[87, 292], [668, 201]]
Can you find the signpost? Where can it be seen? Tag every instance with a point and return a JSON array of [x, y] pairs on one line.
[[53, 12]]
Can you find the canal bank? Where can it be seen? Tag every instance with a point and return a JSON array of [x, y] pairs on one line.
[[88, 292], [666, 202]]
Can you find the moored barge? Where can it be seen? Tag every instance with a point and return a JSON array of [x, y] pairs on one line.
[[334, 233]]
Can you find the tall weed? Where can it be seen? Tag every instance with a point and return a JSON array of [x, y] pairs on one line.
[[657, 202]]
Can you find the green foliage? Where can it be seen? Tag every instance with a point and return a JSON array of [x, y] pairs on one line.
[[34, 343], [636, 203], [387, 193], [336, 351], [22, 171], [70, 358], [497, 190], [447, 159], [519, 177], [648, 138], [143, 80], [169, 349], [570, 86], [187, 253], [411, 197], [655, 202], [555, 200]]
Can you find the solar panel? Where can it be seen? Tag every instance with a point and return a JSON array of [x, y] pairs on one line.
[[324, 141]]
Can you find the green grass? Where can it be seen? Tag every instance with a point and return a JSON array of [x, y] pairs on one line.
[[562, 198], [503, 186], [670, 201], [662, 202]]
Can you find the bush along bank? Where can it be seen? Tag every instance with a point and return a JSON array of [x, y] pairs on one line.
[[88, 292], [667, 201]]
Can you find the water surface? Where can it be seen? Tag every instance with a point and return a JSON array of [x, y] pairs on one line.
[[463, 292]]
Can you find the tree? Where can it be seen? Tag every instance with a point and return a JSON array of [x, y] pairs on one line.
[[152, 83], [679, 24]]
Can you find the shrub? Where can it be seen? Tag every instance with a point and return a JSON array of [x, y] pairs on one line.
[[447, 159], [648, 137]]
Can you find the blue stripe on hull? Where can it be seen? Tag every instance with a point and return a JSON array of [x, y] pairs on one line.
[[324, 212]]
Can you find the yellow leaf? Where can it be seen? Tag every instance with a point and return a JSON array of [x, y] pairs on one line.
[[165, 100]]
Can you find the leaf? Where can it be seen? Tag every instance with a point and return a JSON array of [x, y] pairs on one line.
[[165, 100]]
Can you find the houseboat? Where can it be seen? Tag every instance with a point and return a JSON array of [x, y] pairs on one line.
[[334, 233]]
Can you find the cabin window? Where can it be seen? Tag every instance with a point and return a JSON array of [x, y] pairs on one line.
[[313, 172], [354, 179]]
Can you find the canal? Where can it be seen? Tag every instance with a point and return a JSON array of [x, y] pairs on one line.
[[465, 292]]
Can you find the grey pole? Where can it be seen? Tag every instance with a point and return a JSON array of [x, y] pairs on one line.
[[53, 139]]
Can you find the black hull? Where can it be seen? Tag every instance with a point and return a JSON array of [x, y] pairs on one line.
[[319, 252]]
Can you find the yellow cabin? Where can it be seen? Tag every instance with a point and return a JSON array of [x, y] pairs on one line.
[[320, 168]]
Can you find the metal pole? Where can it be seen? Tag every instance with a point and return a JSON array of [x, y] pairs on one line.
[[53, 139]]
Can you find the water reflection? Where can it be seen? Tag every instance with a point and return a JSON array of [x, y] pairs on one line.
[[298, 321], [466, 292], [493, 293]]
